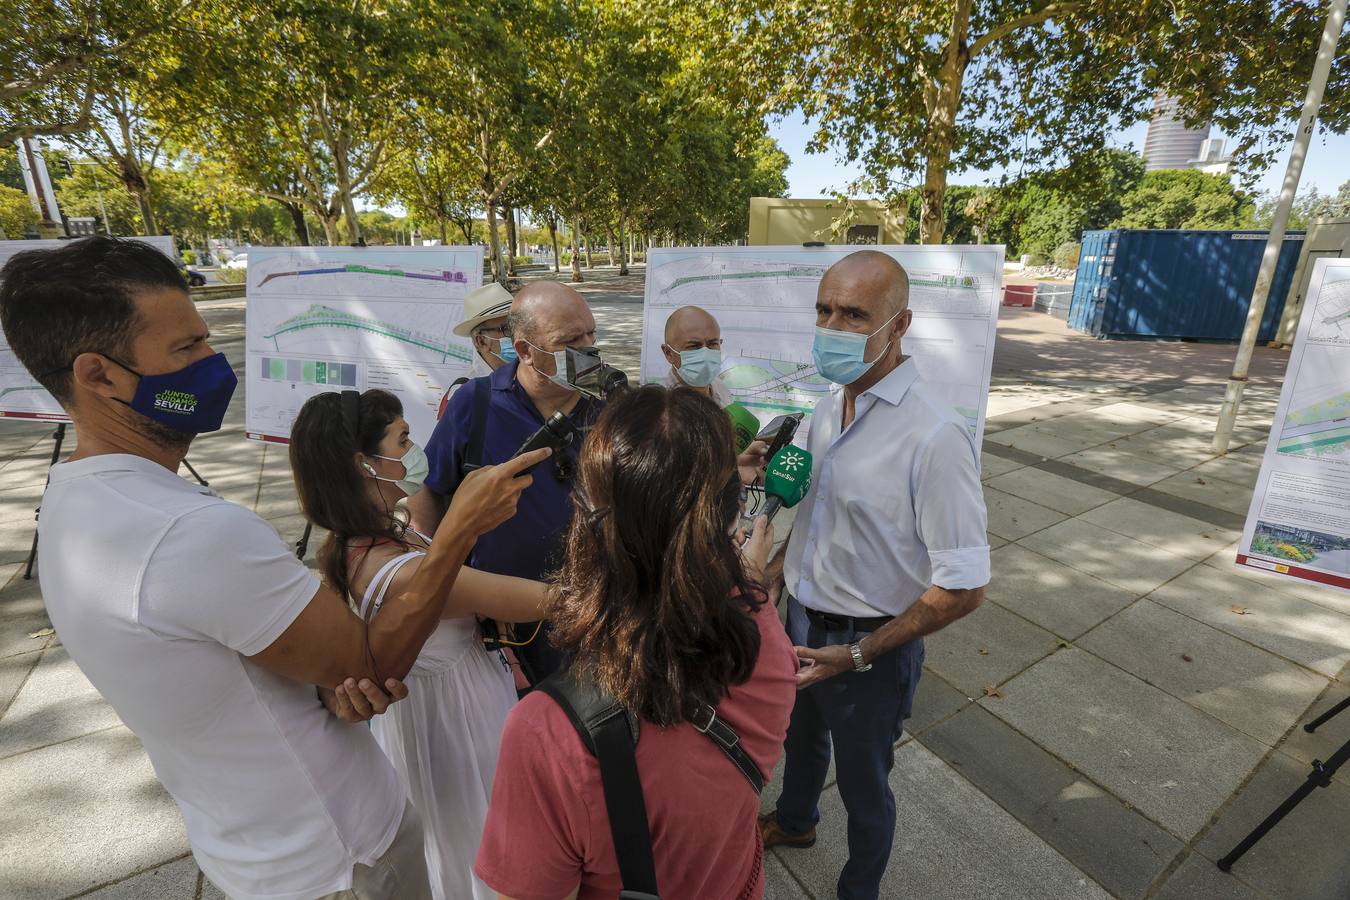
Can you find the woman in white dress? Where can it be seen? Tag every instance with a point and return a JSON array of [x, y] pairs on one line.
[[353, 461]]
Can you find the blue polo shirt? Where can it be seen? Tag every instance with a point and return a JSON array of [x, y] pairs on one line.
[[528, 544]]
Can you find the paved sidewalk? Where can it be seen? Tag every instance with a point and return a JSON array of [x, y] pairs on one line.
[[1105, 726]]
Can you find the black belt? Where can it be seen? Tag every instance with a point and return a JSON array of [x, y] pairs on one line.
[[836, 622]]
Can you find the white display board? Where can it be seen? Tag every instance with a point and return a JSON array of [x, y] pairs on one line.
[[21, 397], [764, 298], [1299, 521], [334, 318]]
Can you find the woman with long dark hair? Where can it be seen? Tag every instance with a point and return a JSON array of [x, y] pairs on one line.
[[353, 461], [658, 606]]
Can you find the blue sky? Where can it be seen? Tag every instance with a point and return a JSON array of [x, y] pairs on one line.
[[1327, 165]]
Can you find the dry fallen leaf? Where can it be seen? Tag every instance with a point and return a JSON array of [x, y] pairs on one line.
[[1185, 657], [42, 632], [991, 691], [984, 651], [1062, 643], [1240, 610], [1200, 481]]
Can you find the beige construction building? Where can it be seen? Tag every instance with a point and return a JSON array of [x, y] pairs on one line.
[[786, 220]]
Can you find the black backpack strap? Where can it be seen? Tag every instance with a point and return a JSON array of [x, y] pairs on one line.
[[726, 738], [473, 450], [610, 734]]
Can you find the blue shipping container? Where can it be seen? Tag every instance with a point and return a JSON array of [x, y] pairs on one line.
[[1176, 284]]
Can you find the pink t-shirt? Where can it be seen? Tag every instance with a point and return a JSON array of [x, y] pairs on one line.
[[547, 828]]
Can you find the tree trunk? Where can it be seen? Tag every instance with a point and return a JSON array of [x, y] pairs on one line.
[[623, 250], [494, 244], [590, 263], [942, 102], [353, 225], [301, 227], [553, 239], [444, 238], [576, 252], [609, 244]]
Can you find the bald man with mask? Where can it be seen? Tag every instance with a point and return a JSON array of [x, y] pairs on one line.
[[889, 545], [489, 418], [693, 347]]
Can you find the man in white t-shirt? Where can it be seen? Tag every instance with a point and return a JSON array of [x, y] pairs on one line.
[[189, 613], [693, 347]]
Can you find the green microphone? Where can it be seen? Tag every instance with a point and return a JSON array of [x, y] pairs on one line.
[[744, 424], [787, 480]]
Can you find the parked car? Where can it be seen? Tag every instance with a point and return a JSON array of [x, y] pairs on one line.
[[238, 261], [193, 277]]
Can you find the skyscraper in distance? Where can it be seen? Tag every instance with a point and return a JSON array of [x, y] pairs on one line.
[[1169, 143]]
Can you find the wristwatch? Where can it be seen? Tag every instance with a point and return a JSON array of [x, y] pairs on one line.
[[858, 664]]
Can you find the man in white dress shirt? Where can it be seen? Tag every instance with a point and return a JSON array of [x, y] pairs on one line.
[[889, 545], [693, 347]]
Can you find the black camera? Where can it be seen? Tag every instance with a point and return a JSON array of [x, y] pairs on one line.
[[591, 375], [556, 432]]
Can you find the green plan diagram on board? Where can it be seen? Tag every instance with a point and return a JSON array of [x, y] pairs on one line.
[[764, 300], [355, 318]]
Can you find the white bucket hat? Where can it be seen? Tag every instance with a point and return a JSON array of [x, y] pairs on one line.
[[491, 301]]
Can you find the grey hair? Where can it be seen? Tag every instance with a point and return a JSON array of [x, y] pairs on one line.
[[520, 322]]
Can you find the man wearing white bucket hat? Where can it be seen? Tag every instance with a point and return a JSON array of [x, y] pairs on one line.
[[484, 323]]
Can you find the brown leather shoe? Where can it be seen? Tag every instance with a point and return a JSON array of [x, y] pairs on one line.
[[773, 834]]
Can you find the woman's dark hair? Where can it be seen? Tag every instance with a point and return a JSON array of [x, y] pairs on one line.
[[332, 492], [652, 602]]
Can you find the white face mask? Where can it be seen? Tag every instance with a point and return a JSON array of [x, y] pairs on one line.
[[415, 469], [559, 376]]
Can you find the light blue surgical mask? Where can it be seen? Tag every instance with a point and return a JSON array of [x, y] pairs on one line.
[[559, 376], [700, 366], [838, 355], [415, 469], [506, 350]]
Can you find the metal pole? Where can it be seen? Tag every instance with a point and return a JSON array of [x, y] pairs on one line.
[[1232, 399], [98, 189]]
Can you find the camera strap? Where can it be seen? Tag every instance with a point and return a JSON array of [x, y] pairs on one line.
[[610, 734]]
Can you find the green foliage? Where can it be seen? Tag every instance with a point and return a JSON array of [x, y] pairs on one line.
[[16, 212], [1308, 206], [189, 257], [1185, 198], [1066, 255], [232, 276]]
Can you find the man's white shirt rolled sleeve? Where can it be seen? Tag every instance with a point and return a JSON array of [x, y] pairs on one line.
[[949, 510], [895, 504]]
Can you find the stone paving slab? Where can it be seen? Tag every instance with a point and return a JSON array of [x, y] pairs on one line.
[[1298, 630], [1178, 534], [23, 614], [1032, 439], [57, 703], [986, 648], [1256, 692], [1012, 517], [1211, 490], [1321, 595], [1328, 738], [1199, 879], [1117, 846], [81, 814], [1050, 490], [1056, 597], [954, 843], [174, 881], [992, 465], [1174, 763], [14, 671], [1125, 466], [1305, 855], [1108, 555]]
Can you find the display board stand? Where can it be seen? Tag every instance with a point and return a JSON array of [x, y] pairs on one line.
[[1320, 776], [58, 439]]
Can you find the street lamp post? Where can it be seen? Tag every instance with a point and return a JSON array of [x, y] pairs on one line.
[[1307, 122]]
